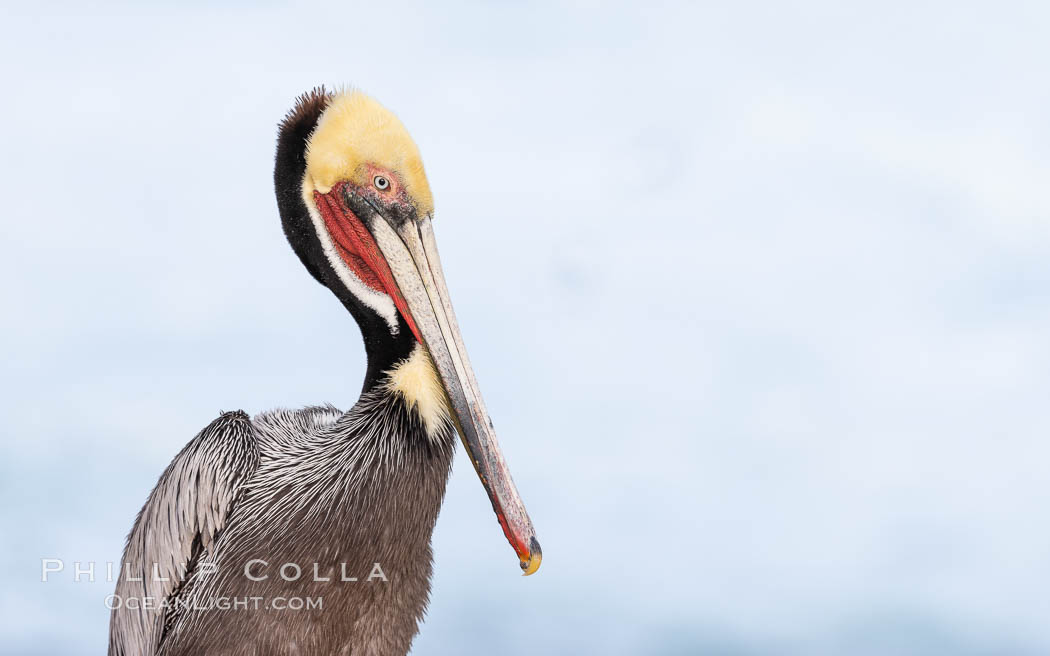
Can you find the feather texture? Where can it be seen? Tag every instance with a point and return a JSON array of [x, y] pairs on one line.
[[179, 523], [331, 493]]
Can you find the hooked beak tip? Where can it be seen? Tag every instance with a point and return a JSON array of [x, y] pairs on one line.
[[530, 566]]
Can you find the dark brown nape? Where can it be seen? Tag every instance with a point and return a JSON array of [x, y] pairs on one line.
[[293, 133], [307, 108]]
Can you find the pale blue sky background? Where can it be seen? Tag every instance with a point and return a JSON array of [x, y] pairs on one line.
[[759, 297]]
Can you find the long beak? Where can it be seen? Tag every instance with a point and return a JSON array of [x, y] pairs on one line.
[[411, 253]]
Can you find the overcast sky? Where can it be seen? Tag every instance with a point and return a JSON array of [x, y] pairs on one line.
[[758, 295]]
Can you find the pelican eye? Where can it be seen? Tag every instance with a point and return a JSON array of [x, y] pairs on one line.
[[381, 183]]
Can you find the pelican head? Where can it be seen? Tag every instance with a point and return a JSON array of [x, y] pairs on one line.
[[357, 209]]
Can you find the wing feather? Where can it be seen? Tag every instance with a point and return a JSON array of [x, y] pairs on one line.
[[182, 516]]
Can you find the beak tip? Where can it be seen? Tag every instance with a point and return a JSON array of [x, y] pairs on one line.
[[530, 566]]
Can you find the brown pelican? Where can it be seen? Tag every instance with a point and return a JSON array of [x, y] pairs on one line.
[[258, 512]]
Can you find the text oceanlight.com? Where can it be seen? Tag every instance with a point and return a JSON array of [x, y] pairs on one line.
[[216, 603]]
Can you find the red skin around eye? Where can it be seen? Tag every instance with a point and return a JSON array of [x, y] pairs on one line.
[[359, 251]]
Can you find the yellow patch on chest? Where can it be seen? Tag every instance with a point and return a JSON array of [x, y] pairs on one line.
[[418, 383]]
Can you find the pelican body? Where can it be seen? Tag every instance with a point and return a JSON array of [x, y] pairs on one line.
[[308, 531]]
